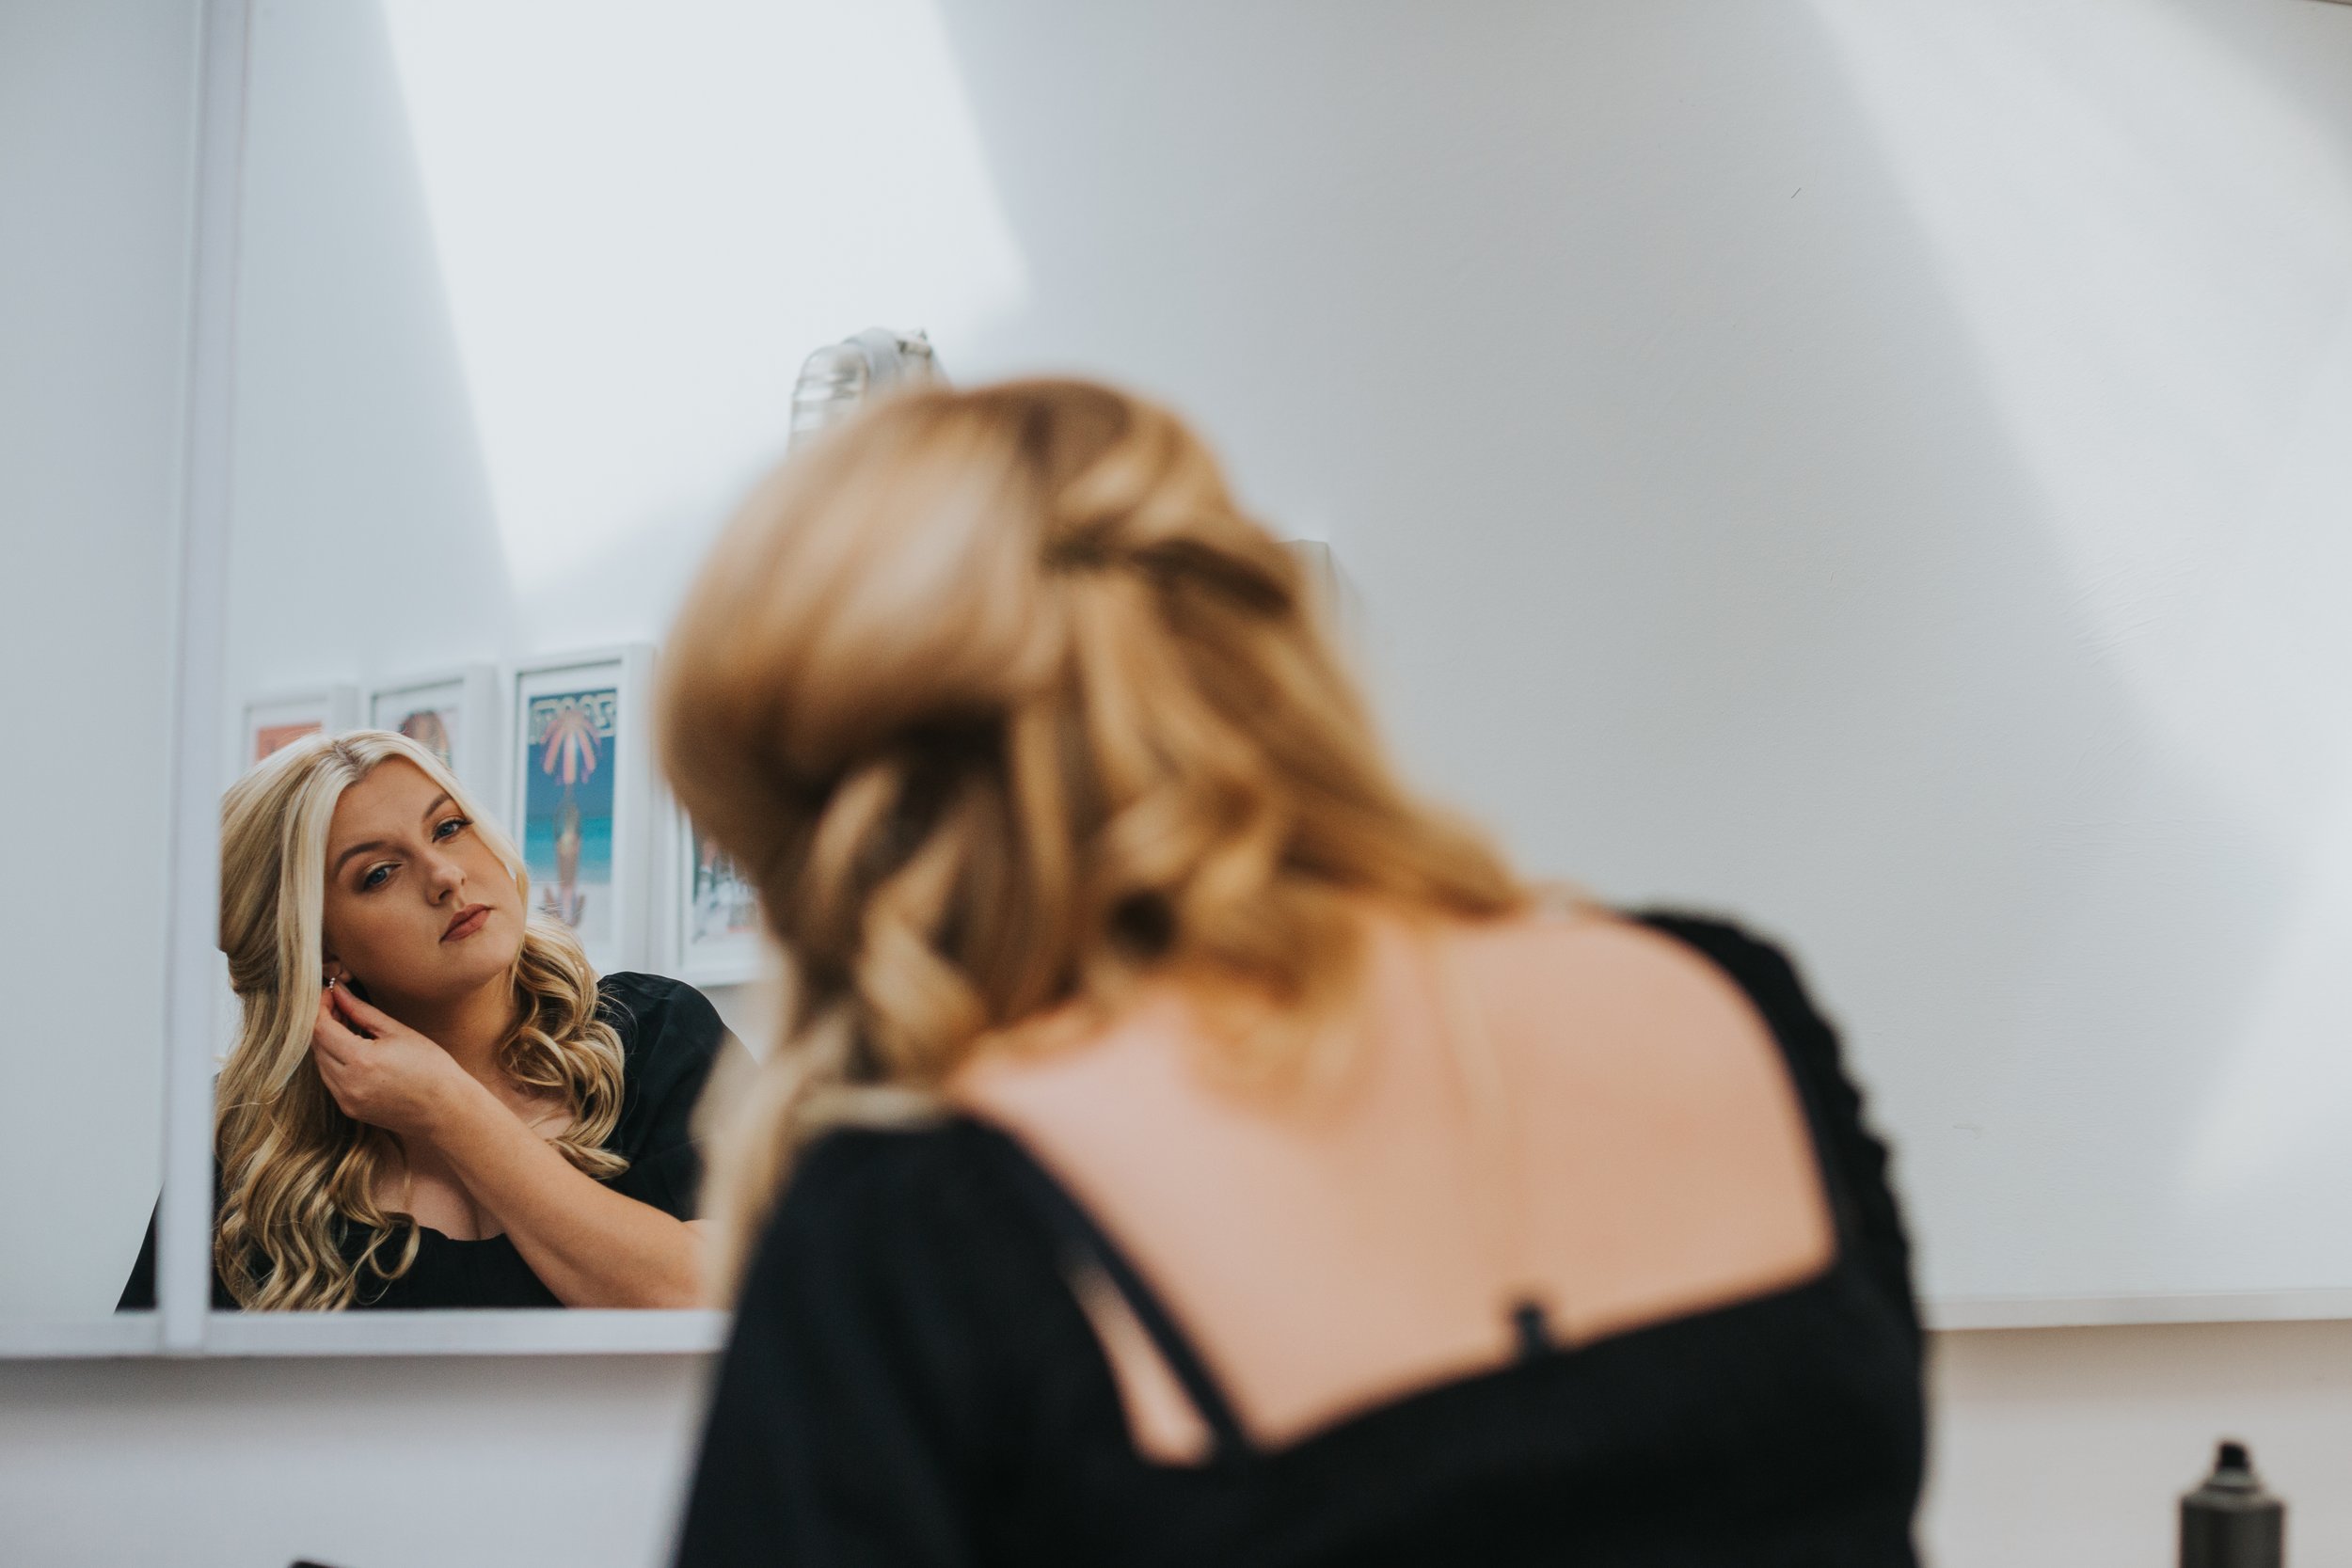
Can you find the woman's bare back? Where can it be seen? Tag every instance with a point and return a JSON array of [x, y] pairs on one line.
[[1580, 1112]]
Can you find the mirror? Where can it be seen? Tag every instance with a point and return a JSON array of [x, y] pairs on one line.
[[472, 473], [1763, 491]]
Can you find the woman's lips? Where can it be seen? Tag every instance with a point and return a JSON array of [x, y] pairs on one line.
[[466, 923]]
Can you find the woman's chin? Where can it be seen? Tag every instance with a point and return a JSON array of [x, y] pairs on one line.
[[488, 954]]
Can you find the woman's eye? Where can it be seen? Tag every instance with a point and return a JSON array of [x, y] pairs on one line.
[[452, 827], [376, 877]]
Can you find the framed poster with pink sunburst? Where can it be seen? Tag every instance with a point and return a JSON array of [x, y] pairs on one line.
[[582, 786]]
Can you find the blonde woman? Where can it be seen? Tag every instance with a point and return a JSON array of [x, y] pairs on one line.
[[433, 1100], [1188, 1148]]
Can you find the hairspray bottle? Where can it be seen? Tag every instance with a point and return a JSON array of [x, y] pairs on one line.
[[2231, 1522]]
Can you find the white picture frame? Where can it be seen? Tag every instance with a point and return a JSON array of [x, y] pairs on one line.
[[715, 935], [460, 715], [279, 718], [579, 795]]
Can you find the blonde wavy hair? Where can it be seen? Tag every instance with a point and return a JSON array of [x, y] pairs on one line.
[[1004, 704], [296, 1172]]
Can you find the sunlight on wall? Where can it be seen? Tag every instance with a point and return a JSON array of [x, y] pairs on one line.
[[645, 221], [2142, 235]]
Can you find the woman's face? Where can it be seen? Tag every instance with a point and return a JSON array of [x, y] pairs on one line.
[[417, 908]]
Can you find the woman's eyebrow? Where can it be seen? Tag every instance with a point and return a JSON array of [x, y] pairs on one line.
[[357, 849], [439, 801]]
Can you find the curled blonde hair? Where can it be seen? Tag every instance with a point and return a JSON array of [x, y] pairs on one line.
[[1004, 704], [296, 1172]]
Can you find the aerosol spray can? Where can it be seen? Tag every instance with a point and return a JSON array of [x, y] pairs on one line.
[[2231, 1522]]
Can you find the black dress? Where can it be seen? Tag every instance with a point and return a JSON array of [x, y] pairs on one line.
[[912, 1382], [671, 1038]]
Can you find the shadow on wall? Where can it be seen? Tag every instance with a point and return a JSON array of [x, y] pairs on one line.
[[1695, 538]]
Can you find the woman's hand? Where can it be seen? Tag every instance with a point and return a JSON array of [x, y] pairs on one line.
[[383, 1073]]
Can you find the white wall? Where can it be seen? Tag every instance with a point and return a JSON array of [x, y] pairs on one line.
[[1876, 468], [96, 116], [2056, 1448]]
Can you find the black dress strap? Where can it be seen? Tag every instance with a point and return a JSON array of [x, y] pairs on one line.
[[1085, 1244]]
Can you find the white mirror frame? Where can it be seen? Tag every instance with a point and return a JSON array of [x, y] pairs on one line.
[[182, 1323]]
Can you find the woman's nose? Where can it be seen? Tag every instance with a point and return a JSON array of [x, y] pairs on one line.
[[444, 875]]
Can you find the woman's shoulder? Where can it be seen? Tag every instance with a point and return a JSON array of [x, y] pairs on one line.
[[1758, 968], [1695, 1011], [1728, 942], [673, 1041], [637, 991], [1660, 953], [655, 1011]]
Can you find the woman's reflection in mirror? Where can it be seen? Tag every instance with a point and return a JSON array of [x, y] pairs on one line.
[[1191, 1146], [433, 1099]]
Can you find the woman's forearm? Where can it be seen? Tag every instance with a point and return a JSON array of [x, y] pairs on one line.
[[589, 1244]]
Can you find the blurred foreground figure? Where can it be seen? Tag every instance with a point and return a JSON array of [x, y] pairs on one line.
[[1189, 1148]]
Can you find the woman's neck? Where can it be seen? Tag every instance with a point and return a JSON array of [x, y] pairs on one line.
[[470, 1027]]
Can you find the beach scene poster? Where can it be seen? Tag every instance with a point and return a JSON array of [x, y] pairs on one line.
[[568, 770]]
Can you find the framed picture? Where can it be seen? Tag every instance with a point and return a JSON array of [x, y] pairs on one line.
[[455, 714], [715, 912], [272, 722], [582, 783]]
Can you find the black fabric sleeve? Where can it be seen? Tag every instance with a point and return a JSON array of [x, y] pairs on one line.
[[1856, 1158], [138, 1292], [673, 1039], [849, 1421]]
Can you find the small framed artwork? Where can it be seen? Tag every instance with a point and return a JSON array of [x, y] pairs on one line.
[[455, 714], [582, 783], [273, 721], [716, 913]]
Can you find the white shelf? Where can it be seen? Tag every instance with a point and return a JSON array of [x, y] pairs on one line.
[[553, 1331], [1968, 1313]]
